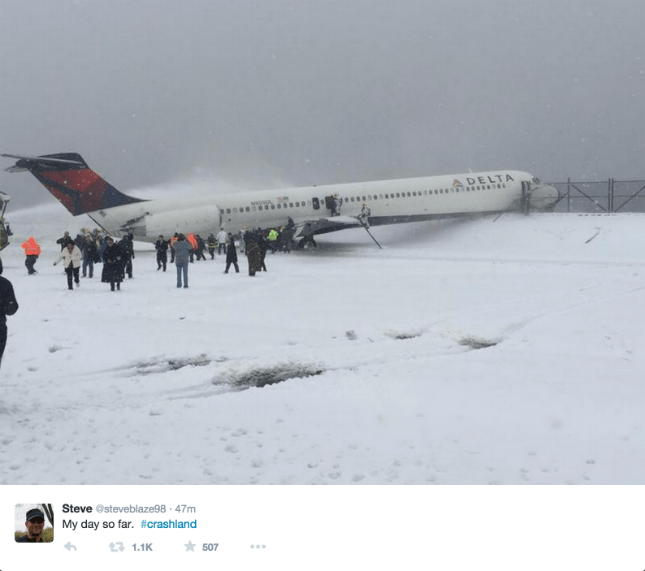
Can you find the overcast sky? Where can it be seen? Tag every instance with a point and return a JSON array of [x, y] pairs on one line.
[[269, 93]]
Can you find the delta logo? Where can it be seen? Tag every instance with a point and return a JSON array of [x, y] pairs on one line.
[[457, 184]]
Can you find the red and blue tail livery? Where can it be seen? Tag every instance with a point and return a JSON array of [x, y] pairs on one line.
[[74, 184]]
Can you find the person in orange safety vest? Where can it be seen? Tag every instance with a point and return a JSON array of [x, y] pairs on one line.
[[190, 238], [32, 251]]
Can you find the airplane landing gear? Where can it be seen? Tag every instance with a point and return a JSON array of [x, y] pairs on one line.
[[306, 241]]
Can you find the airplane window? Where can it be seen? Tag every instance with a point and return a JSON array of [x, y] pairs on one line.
[[260, 207], [228, 211], [364, 199], [279, 205], [381, 196], [291, 204], [273, 207], [248, 209], [235, 210]]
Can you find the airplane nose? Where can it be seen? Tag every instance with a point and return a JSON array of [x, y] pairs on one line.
[[544, 197]]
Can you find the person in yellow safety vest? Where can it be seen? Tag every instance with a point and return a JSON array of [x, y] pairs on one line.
[[32, 251], [272, 239]]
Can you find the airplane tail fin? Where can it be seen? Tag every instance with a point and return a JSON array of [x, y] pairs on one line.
[[72, 182]]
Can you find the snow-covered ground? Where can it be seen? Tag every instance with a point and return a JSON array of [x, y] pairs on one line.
[[488, 351]]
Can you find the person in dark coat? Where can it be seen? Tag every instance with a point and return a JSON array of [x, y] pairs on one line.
[[231, 255], [90, 255], [161, 245], [183, 250], [128, 253], [62, 241], [264, 246], [251, 239], [201, 246], [8, 306], [113, 264], [212, 245]]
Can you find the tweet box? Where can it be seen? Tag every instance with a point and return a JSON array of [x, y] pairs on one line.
[[343, 527]]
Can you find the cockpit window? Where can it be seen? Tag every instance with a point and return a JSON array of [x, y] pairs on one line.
[[536, 180]]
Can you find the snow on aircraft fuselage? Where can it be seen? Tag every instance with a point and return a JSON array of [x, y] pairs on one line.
[[314, 210]]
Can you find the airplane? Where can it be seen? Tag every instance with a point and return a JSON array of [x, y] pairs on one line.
[[309, 211]]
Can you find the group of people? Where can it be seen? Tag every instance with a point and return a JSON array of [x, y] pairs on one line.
[[91, 247], [82, 252], [183, 250]]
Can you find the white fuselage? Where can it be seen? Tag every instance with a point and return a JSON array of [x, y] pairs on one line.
[[390, 201]]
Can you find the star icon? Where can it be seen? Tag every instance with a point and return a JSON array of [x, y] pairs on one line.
[[190, 546]]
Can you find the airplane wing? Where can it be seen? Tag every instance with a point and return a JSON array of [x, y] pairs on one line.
[[324, 225]]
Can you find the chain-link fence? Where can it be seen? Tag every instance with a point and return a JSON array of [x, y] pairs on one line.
[[603, 196]]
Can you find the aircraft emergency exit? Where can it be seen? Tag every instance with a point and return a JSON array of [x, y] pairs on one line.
[[313, 210]]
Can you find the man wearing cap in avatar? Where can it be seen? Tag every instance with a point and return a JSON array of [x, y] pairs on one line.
[[34, 524]]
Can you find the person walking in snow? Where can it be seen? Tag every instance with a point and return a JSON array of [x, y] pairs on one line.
[[162, 252], [62, 241], [212, 245], [8, 306], [183, 250], [113, 264], [231, 255], [71, 256], [127, 247], [222, 237], [32, 251], [90, 255]]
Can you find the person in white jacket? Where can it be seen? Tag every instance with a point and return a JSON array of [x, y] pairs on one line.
[[72, 257], [222, 238]]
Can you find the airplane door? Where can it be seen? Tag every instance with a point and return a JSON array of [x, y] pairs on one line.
[[526, 196], [316, 203]]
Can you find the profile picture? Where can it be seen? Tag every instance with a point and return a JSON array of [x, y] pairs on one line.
[[34, 523]]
